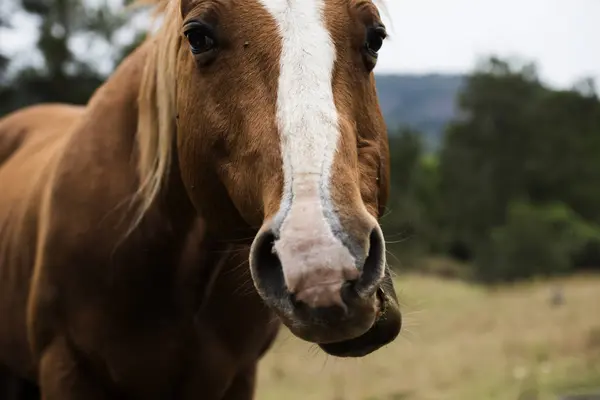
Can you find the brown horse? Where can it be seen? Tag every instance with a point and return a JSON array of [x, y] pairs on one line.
[[228, 176]]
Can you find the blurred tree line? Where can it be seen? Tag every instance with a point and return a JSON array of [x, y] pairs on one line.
[[68, 32], [513, 192], [514, 189]]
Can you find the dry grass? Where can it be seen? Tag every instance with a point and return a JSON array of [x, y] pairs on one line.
[[459, 342]]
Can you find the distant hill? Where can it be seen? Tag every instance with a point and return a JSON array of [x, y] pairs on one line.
[[425, 102]]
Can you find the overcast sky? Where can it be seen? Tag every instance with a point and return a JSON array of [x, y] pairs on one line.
[[561, 36]]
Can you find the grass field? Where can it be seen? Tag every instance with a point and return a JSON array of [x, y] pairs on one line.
[[461, 342]]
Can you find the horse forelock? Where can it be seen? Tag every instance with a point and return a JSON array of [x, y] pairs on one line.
[[156, 106]]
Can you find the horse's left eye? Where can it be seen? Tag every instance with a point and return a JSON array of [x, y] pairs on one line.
[[200, 38], [374, 40]]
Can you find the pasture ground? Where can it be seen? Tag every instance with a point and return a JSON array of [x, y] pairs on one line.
[[460, 342]]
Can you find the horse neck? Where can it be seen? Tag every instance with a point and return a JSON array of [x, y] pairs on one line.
[[211, 266], [108, 137], [115, 105]]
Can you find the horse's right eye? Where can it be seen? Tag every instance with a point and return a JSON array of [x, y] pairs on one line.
[[199, 42], [374, 40], [199, 37]]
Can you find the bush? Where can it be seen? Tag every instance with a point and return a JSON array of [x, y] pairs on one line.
[[535, 240], [410, 223]]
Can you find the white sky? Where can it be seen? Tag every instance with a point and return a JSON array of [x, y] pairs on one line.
[[561, 36]]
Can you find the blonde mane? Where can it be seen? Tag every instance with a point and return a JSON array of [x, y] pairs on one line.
[[157, 110]]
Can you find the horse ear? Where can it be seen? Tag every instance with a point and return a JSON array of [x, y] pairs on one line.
[[383, 176]]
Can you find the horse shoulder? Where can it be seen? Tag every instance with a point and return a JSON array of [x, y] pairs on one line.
[[96, 283], [80, 222], [30, 141]]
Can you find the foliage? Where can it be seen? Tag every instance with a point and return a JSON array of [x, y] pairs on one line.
[[485, 153], [535, 241], [517, 139], [65, 75], [512, 188], [410, 221]]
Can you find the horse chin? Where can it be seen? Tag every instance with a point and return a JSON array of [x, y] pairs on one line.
[[320, 326], [385, 329]]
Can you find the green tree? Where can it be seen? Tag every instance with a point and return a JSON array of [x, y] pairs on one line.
[[4, 24], [565, 164], [65, 75], [536, 240], [517, 140], [486, 151], [411, 222]]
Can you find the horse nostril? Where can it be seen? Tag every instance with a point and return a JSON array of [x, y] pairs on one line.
[[349, 291], [266, 266], [374, 266]]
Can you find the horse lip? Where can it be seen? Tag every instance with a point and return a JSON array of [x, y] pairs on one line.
[[337, 348], [361, 352], [380, 303]]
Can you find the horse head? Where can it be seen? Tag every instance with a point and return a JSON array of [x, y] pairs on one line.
[[279, 128]]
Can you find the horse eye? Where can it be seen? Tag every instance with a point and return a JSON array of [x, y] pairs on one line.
[[200, 38], [374, 40]]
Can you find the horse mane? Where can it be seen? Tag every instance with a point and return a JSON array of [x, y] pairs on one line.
[[156, 106]]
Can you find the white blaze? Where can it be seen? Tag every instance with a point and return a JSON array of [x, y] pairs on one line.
[[306, 113], [307, 119]]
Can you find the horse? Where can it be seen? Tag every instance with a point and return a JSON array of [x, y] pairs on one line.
[[227, 179], [32, 129]]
